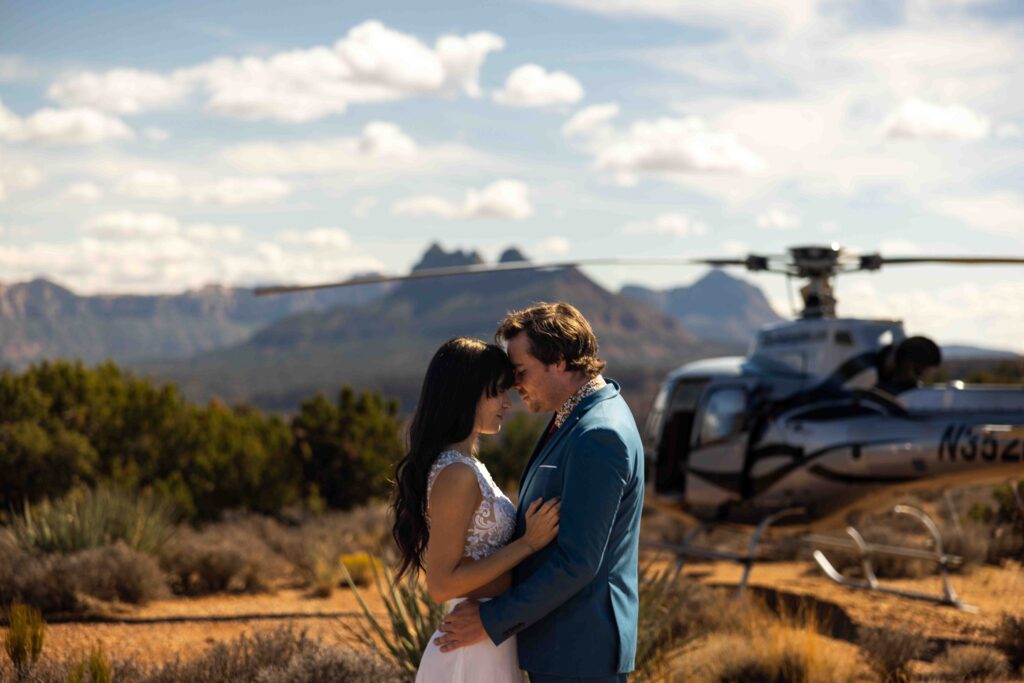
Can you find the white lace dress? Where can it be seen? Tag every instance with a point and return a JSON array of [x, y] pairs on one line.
[[491, 528]]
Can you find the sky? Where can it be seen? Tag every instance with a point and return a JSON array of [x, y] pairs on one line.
[[162, 146]]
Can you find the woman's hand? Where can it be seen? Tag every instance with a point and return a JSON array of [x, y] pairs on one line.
[[541, 523]]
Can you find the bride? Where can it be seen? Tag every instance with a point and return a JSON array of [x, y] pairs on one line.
[[451, 520]]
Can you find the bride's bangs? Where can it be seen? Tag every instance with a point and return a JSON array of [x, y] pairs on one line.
[[499, 369]]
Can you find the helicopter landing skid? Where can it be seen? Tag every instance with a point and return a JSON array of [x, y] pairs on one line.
[[866, 550], [686, 551]]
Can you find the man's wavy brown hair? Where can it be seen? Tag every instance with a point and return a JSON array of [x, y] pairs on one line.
[[556, 331]]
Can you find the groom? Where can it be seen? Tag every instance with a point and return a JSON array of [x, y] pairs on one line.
[[573, 605]]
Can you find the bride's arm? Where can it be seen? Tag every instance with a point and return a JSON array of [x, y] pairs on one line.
[[453, 499]]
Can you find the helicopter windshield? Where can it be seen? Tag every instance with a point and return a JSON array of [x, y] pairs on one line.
[[723, 414]]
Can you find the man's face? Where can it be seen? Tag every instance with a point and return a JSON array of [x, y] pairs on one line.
[[537, 384]]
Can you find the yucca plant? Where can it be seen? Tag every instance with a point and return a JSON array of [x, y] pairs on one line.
[[24, 641], [412, 618], [661, 597], [96, 665], [90, 518]]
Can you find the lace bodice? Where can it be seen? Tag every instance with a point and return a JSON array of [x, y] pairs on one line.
[[494, 520]]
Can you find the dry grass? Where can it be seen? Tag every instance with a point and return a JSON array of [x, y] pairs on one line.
[[1009, 634], [973, 664], [757, 646], [56, 583], [280, 656], [765, 648], [890, 653]]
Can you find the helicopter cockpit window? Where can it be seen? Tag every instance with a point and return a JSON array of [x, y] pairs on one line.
[[723, 414]]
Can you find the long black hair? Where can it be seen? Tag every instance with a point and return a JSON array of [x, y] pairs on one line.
[[459, 375]]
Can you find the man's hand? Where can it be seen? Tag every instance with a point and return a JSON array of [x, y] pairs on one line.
[[462, 627]]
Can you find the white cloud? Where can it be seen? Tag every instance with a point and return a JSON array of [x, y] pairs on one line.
[[372, 63], [128, 225], [208, 233], [78, 126], [592, 121], [746, 16], [916, 118], [155, 134], [363, 206], [238, 191], [531, 85], [501, 199], [996, 212], [898, 247], [83, 192], [1009, 131], [778, 219], [120, 91], [16, 176], [675, 224], [735, 247], [668, 146], [552, 246], [380, 144], [319, 238], [165, 186], [946, 314], [151, 184]]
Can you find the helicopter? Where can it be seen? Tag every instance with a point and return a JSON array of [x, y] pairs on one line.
[[821, 414]]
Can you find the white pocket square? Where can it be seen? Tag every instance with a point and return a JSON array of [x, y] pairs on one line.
[[548, 467]]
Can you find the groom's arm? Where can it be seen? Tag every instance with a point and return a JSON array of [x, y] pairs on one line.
[[595, 476]]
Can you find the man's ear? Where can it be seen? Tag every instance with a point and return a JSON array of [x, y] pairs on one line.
[[560, 365]]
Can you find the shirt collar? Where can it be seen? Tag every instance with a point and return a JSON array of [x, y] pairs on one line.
[[574, 400]]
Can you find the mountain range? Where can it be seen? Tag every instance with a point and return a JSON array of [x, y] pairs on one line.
[[386, 343], [275, 351]]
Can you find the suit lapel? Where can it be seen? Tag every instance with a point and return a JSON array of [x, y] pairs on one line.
[[541, 453], [541, 442]]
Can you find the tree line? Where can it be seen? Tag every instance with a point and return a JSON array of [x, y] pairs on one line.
[[64, 425]]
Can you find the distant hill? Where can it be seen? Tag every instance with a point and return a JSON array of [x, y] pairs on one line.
[[718, 307], [41, 319], [960, 352], [387, 343]]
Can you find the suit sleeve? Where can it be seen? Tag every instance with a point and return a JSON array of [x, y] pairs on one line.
[[596, 473]]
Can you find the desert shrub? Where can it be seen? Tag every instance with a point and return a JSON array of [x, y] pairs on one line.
[[412, 619], [346, 448], [90, 518], [973, 664], [93, 669], [56, 583], [671, 612], [118, 573], [40, 460], [1010, 639], [889, 653], [43, 582], [777, 654], [361, 567], [198, 565], [277, 656], [24, 641]]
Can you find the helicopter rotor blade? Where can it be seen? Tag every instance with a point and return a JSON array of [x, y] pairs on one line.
[[876, 261], [476, 269]]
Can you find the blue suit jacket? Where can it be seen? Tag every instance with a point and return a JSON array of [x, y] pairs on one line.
[[574, 603]]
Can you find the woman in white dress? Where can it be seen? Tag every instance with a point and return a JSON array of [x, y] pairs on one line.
[[451, 520]]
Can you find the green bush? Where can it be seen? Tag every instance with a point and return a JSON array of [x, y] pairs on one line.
[[347, 448], [91, 518], [507, 453], [890, 653], [24, 640]]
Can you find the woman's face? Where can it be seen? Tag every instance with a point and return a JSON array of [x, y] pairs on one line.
[[490, 411]]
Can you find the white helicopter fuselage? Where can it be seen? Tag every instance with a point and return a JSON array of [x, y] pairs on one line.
[[802, 422]]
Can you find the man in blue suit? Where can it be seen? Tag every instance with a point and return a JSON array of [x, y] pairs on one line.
[[573, 605]]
